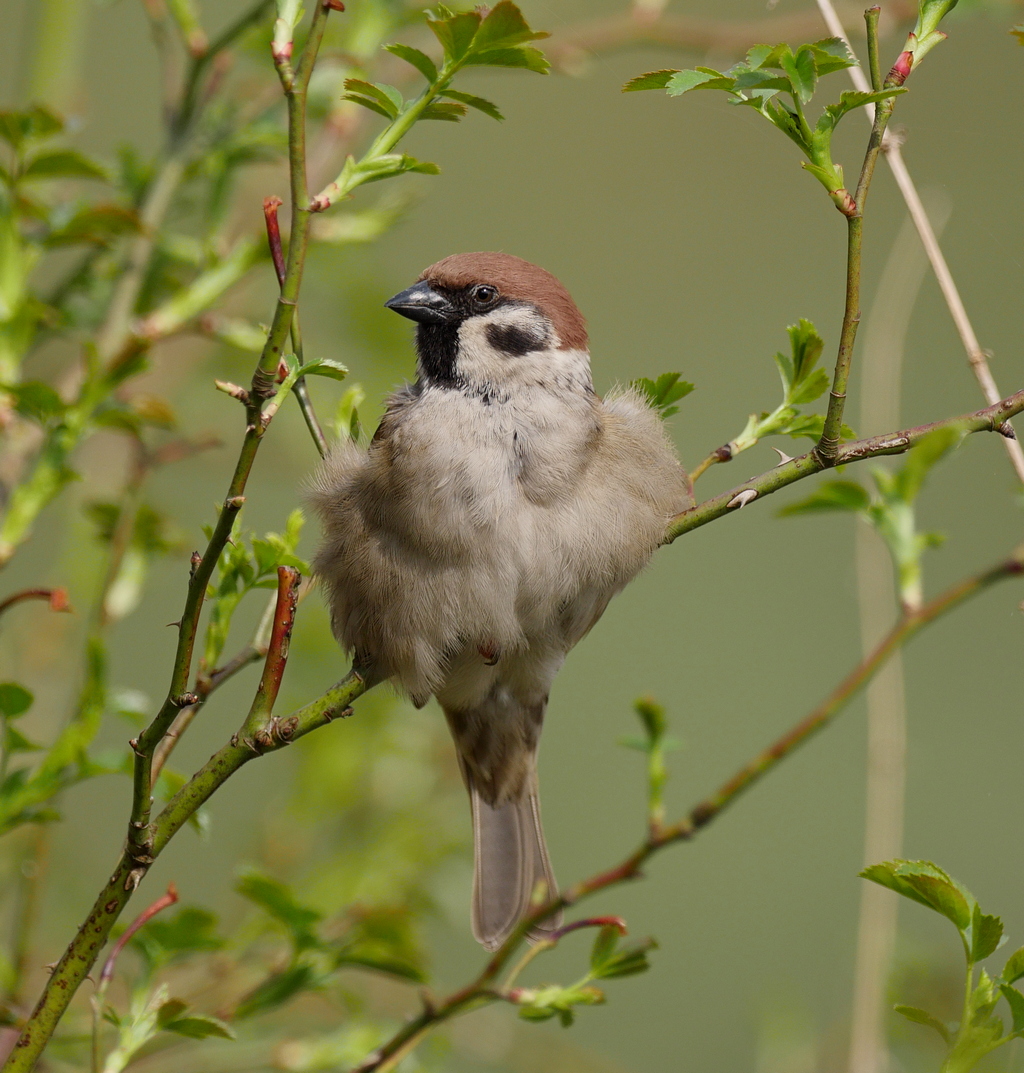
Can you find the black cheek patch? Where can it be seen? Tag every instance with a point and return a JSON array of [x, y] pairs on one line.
[[514, 340]]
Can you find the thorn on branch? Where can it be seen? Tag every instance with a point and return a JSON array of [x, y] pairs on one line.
[[748, 495]]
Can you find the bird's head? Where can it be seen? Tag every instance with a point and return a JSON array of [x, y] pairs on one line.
[[493, 321]]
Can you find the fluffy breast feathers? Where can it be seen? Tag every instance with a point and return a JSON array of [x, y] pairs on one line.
[[471, 525]]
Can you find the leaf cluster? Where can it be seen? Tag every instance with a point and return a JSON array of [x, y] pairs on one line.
[[760, 81], [663, 392], [608, 960], [890, 510], [981, 1030]]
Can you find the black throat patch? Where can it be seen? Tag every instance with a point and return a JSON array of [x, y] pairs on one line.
[[438, 348]]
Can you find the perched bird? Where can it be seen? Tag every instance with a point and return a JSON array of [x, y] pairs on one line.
[[499, 507]]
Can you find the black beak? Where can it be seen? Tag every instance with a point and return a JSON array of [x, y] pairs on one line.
[[422, 303]]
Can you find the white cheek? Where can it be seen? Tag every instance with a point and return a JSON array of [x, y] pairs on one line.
[[479, 363]]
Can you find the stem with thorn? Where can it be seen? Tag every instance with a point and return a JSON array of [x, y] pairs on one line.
[[481, 991], [990, 419]]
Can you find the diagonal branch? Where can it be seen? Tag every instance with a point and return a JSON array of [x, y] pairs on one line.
[[990, 419], [482, 990]]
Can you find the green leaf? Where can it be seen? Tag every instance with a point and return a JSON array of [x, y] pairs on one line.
[[36, 400], [806, 346], [480, 103], [199, 1026], [831, 496], [986, 933], [1015, 1000], [450, 113], [386, 96], [809, 389], [16, 742], [63, 164], [531, 59], [1014, 968], [277, 989], [925, 882], [454, 31], [368, 102], [831, 54], [325, 367], [850, 100], [922, 1017], [802, 73], [703, 77], [608, 961], [191, 930], [15, 700], [664, 391], [420, 60], [503, 26], [96, 225], [921, 458], [35, 123], [279, 901], [651, 80]]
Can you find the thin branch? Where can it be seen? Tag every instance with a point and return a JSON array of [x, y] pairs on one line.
[[796, 469], [57, 599], [894, 155], [481, 990]]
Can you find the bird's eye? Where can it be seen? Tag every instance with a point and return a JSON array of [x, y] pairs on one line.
[[484, 295]]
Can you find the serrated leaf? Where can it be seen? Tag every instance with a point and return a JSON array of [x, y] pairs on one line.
[[454, 31], [812, 387], [480, 103], [36, 400], [449, 113], [832, 54], [325, 367], [368, 102], [15, 700], [420, 60], [922, 1017], [850, 100], [531, 59], [831, 496], [684, 81], [650, 80], [386, 96], [626, 961], [802, 73], [925, 882], [63, 164], [604, 944], [1015, 1000], [986, 932], [504, 26], [1014, 968], [199, 1026]]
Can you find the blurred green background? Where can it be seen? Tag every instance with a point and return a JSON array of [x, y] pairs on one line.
[[690, 238]]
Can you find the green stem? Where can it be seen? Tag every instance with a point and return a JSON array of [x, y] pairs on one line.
[[796, 469], [391, 1053], [78, 959], [831, 434], [871, 17]]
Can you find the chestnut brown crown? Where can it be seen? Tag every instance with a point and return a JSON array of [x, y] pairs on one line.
[[519, 280]]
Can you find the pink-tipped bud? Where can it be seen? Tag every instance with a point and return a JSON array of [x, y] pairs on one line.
[[900, 69], [281, 53], [59, 600], [334, 5]]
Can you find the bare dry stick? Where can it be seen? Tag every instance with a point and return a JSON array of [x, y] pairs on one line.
[[893, 153]]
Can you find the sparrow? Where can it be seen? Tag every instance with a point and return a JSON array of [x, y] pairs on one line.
[[498, 508]]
